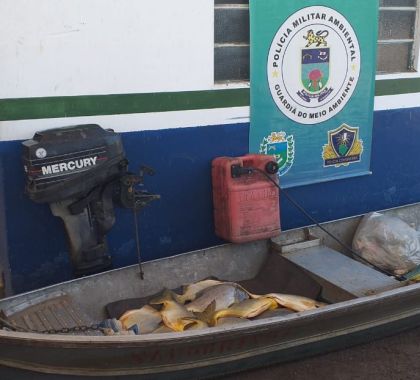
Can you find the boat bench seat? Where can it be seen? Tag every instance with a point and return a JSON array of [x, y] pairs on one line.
[[341, 277]]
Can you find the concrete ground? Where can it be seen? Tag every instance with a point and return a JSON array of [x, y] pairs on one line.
[[392, 358]]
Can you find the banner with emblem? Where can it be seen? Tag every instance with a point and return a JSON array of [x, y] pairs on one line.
[[313, 69]]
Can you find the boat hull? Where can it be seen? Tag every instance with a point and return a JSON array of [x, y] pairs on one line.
[[219, 351], [209, 352]]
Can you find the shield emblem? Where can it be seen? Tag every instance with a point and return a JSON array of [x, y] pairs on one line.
[[342, 140], [279, 151], [315, 69]]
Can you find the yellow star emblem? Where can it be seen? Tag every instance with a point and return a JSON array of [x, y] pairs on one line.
[[275, 74]]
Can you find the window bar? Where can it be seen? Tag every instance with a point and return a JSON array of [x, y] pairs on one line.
[[414, 64], [408, 9], [231, 44], [396, 41], [231, 6]]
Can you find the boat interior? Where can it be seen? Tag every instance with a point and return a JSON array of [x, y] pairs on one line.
[[304, 262]]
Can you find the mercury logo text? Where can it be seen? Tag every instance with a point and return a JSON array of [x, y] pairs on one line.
[[69, 166]]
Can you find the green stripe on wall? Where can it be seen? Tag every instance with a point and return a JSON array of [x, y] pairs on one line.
[[94, 105], [397, 86]]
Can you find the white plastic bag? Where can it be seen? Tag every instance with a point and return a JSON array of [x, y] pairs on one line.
[[388, 243]]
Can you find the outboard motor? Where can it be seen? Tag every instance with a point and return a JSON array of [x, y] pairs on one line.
[[81, 171]]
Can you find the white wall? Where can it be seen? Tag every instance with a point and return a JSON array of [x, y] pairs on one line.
[[93, 47], [25, 129], [85, 47]]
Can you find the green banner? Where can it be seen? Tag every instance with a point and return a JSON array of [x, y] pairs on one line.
[[312, 86]]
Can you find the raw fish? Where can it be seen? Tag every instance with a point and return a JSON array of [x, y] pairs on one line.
[[190, 291], [172, 312], [224, 295], [196, 324], [147, 319], [162, 297], [295, 303], [246, 309]]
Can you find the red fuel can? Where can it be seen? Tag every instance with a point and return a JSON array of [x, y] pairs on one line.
[[246, 202]]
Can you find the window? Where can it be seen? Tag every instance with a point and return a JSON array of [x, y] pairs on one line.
[[231, 40], [398, 43]]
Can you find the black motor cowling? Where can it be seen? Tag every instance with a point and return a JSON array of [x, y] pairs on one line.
[[68, 162], [81, 171]]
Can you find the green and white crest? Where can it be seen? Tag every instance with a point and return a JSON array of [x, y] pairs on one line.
[[282, 147]]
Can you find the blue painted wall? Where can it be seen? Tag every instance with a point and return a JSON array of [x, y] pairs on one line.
[[182, 220]]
